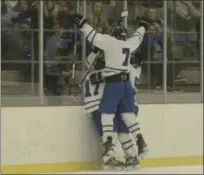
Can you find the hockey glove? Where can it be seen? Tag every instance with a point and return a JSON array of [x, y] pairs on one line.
[[96, 78], [100, 63], [143, 22], [96, 50], [79, 20]]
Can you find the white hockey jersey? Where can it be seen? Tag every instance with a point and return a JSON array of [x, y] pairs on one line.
[[93, 93], [117, 52]]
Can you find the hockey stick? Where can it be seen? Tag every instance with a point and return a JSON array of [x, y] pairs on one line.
[[76, 43]]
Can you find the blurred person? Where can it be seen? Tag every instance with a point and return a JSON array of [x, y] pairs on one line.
[[28, 14], [7, 13], [186, 17], [146, 52], [151, 14], [98, 19], [153, 42], [61, 43], [113, 11], [63, 12], [97, 16], [4, 34], [54, 72], [27, 19], [49, 18], [157, 55], [152, 49]]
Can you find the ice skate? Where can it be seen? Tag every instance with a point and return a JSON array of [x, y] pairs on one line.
[[142, 147], [132, 163], [110, 161]]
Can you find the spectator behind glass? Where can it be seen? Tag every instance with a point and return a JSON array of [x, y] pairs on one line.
[[152, 48], [151, 14], [54, 76], [63, 12], [27, 15], [5, 23], [49, 7], [113, 11], [97, 18], [156, 53], [187, 17], [28, 19], [8, 12]]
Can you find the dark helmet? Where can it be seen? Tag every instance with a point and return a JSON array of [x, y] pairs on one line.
[[120, 33]]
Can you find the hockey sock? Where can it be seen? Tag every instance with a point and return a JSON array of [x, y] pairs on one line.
[[132, 123], [107, 127], [127, 144]]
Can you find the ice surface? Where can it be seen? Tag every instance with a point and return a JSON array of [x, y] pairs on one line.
[[167, 170]]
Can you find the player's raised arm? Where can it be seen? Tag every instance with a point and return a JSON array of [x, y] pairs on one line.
[[136, 39], [102, 41]]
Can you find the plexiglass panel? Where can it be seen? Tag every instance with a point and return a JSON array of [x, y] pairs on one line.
[[19, 44], [171, 54], [150, 52], [63, 48], [183, 51]]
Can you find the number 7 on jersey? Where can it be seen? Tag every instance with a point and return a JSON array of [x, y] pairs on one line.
[[126, 51]]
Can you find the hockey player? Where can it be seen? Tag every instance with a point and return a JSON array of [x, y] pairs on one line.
[[125, 139], [118, 91]]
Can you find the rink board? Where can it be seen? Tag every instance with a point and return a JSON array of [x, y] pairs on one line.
[[91, 166], [62, 139]]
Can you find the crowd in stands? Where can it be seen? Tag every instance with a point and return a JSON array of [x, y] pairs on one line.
[[61, 43]]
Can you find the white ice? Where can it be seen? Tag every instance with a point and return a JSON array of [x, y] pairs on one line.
[[168, 170]]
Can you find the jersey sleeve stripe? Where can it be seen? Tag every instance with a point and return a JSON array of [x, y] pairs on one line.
[[89, 34], [110, 71], [139, 34], [111, 68], [140, 38], [92, 101], [88, 111], [86, 108]]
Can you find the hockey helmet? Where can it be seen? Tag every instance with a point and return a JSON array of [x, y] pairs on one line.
[[120, 33]]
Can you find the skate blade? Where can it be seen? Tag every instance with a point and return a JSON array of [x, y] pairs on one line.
[[112, 168], [144, 154], [132, 168]]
